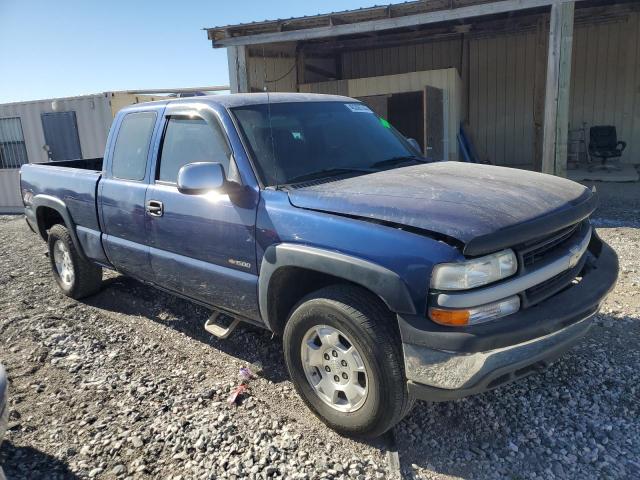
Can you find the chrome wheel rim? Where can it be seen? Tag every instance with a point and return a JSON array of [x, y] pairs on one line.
[[334, 368], [64, 265]]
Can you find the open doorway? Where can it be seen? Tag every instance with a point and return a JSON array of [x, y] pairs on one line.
[[418, 115], [406, 113]]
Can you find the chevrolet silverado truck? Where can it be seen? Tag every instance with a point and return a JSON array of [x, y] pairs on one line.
[[390, 278]]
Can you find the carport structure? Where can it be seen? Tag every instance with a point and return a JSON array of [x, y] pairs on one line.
[[523, 76]]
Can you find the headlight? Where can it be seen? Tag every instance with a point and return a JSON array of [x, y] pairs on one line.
[[474, 273]]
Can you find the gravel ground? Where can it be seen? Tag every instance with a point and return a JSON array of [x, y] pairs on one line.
[[128, 384]]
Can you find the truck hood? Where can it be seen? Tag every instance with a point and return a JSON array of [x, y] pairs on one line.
[[482, 206]]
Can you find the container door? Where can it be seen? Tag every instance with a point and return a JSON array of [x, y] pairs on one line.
[[434, 123], [61, 136]]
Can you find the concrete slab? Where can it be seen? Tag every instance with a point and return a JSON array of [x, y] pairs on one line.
[[627, 173]]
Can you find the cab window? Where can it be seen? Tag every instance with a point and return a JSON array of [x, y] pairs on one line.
[[189, 140], [132, 146]]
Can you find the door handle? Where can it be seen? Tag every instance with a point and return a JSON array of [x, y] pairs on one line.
[[155, 208]]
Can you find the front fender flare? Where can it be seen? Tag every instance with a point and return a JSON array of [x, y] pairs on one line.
[[383, 282]]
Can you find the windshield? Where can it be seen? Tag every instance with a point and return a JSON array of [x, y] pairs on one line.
[[320, 139]]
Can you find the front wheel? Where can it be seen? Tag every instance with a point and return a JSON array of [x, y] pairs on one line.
[[76, 276], [342, 351]]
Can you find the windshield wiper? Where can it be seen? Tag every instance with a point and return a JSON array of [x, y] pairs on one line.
[[328, 172], [390, 162]]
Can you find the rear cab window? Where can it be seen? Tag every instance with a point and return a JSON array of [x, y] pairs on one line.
[[129, 161]]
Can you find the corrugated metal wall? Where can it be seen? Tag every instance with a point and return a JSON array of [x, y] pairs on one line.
[[503, 71], [120, 100], [94, 114], [374, 62], [605, 87], [501, 79], [10, 199], [94, 118], [506, 79], [280, 69], [505, 75]]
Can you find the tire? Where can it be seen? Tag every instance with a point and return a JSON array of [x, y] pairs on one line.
[[76, 276], [363, 322]]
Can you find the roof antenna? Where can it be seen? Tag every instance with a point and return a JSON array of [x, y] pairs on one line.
[[273, 143]]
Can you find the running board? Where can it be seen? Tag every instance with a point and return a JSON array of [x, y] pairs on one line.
[[214, 328]]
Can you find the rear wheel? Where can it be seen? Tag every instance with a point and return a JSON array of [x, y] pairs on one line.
[[342, 350], [76, 276]]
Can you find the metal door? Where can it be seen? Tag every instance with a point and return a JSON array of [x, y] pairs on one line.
[[203, 246], [434, 124], [61, 136]]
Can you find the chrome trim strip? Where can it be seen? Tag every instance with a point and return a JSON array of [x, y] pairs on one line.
[[453, 370], [517, 284]]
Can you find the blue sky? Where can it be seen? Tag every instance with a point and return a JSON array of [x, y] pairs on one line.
[[59, 48]]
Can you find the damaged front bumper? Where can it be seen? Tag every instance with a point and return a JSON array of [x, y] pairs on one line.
[[444, 363]]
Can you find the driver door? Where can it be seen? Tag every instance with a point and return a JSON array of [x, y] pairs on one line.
[[202, 246]]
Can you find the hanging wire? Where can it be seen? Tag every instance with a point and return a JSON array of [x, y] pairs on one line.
[[283, 76], [275, 80]]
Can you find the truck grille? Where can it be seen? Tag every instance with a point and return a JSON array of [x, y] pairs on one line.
[[537, 252], [540, 250], [550, 287]]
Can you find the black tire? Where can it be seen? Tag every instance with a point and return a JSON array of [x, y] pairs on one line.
[[372, 329], [87, 278]]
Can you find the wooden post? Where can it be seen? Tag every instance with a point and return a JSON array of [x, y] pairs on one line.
[[556, 111], [464, 73], [238, 76], [538, 91], [300, 59], [564, 89]]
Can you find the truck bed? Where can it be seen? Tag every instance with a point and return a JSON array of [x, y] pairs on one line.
[[94, 164], [74, 182]]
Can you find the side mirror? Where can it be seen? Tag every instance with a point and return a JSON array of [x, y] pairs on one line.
[[201, 177], [414, 143]]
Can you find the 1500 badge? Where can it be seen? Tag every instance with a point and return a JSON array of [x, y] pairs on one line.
[[239, 263]]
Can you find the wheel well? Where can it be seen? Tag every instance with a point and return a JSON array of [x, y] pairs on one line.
[[47, 218], [289, 285]]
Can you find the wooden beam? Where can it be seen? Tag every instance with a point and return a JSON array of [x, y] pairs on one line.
[[538, 91], [426, 18], [321, 71], [556, 110], [238, 75], [564, 89]]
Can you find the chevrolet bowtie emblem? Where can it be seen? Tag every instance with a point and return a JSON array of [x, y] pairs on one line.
[[576, 253]]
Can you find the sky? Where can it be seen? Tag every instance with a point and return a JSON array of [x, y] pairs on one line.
[[61, 48]]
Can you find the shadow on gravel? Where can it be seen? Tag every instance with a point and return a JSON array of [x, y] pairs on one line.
[[27, 462], [250, 344]]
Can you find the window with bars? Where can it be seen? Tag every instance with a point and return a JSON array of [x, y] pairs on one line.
[[13, 152]]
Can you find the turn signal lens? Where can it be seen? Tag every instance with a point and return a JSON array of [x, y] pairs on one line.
[[451, 318], [476, 315]]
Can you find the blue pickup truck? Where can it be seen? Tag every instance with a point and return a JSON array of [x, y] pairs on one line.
[[390, 278]]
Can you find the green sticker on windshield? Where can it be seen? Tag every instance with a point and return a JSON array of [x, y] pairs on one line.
[[384, 123]]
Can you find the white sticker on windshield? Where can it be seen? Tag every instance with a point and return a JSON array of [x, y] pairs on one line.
[[358, 108]]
